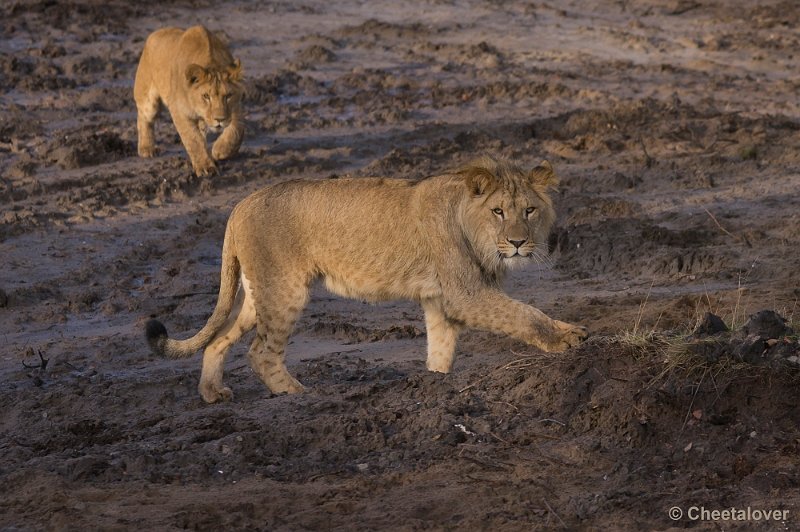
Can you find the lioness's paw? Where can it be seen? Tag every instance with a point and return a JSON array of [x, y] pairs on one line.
[[147, 151], [287, 385], [222, 149], [205, 168], [211, 394], [568, 335]]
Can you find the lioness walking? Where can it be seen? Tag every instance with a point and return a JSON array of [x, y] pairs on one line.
[[445, 242], [193, 73]]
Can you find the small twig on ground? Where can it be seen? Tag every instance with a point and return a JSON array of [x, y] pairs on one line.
[[543, 436], [648, 161], [189, 294], [713, 218], [495, 436], [42, 365], [514, 364], [550, 509], [691, 404]]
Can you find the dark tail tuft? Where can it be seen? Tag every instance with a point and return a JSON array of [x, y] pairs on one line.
[[156, 336]]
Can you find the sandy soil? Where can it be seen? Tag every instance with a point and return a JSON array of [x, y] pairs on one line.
[[675, 126]]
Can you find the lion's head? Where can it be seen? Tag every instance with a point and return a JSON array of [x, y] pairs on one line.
[[215, 93], [509, 214]]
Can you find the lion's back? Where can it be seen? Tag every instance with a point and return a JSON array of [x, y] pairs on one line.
[[363, 235]]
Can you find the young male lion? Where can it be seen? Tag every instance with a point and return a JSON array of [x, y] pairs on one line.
[[444, 241], [196, 77]]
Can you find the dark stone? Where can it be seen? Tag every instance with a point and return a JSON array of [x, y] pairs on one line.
[[751, 349], [767, 324], [711, 325]]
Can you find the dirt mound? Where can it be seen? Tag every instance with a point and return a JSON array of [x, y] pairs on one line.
[[592, 410]]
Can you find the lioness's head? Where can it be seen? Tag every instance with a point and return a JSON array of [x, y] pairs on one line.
[[214, 93], [509, 213]]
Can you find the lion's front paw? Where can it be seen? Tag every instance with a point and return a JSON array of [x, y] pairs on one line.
[[205, 167], [222, 149], [568, 335], [147, 151], [286, 384], [213, 394]]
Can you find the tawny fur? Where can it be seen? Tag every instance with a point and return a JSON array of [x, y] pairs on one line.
[[195, 76], [444, 242]]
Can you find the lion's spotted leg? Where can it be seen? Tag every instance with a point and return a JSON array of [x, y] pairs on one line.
[[194, 140], [442, 335], [276, 320], [227, 144], [241, 320], [494, 311], [268, 362]]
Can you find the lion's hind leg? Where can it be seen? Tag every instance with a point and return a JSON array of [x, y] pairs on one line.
[[241, 319], [276, 319]]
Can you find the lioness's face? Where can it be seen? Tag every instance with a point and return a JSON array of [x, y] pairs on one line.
[[213, 102], [521, 224], [214, 94], [512, 216]]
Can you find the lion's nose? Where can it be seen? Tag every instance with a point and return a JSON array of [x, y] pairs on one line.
[[517, 243]]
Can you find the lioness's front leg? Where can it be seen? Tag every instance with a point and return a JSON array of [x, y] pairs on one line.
[[494, 311], [194, 140], [228, 143], [144, 125], [442, 334], [147, 104]]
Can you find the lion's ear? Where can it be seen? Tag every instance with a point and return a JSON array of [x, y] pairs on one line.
[[235, 71], [195, 74], [544, 176], [479, 180]]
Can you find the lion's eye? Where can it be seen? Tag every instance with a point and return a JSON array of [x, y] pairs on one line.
[[226, 98], [498, 211], [206, 97], [529, 211]]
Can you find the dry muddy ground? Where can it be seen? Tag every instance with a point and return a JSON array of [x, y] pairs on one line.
[[675, 126]]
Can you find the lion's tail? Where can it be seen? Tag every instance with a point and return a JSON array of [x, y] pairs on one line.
[[157, 337]]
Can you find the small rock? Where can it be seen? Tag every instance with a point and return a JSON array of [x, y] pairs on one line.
[[711, 324], [751, 349], [767, 324]]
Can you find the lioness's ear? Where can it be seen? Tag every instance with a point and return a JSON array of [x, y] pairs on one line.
[[235, 71], [195, 74], [478, 180], [544, 176]]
